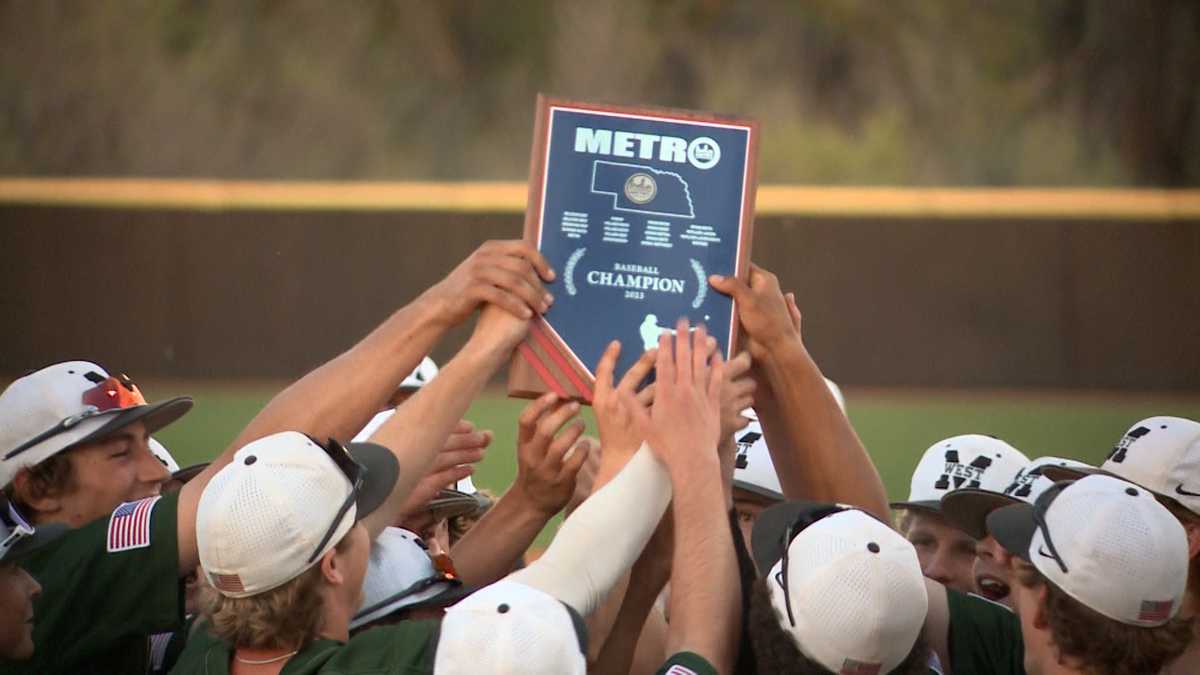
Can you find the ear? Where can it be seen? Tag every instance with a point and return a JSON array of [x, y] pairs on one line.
[[1039, 617], [333, 568], [42, 502], [1193, 536]]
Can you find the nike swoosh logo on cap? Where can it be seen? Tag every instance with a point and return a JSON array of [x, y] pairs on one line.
[[1042, 552], [1179, 490]]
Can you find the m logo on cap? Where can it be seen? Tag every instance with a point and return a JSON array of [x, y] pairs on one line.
[[743, 447], [1118, 453], [960, 473], [1022, 485]]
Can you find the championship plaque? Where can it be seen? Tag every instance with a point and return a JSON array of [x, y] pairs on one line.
[[634, 208]]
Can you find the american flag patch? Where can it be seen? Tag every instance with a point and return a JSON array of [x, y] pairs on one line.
[[129, 526], [1155, 611], [680, 670], [852, 667], [230, 583]]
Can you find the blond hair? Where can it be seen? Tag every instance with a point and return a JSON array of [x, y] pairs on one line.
[[291, 615]]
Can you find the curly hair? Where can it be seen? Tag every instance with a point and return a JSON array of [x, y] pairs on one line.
[[776, 651], [50, 477], [290, 615], [1099, 644]]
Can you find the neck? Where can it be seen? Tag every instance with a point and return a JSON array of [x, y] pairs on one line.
[[335, 619], [1190, 606]]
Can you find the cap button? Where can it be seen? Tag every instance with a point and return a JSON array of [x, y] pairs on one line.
[[1131, 492], [503, 609], [873, 547], [250, 460]]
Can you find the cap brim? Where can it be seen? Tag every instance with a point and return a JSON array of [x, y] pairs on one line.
[[930, 505], [155, 416], [758, 490], [1061, 473], [767, 539], [1013, 527], [450, 503], [454, 592], [968, 508], [189, 472], [42, 536], [379, 479]]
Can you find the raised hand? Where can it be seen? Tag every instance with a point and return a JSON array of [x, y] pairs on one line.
[[508, 274], [585, 480], [737, 394], [766, 318], [547, 429], [613, 417], [464, 447], [684, 423], [497, 330]]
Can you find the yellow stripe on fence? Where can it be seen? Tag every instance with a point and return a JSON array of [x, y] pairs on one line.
[[510, 197]]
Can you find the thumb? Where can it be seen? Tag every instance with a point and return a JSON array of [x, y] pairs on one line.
[[729, 285]]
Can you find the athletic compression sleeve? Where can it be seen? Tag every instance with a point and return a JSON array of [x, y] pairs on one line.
[[604, 536]]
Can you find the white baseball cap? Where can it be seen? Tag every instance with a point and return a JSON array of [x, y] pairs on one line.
[[160, 451], [753, 469], [425, 371], [1106, 543], [958, 462], [509, 627], [63, 405], [281, 504], [401, 575], [1161, 454], [847, 587], [967, 508]]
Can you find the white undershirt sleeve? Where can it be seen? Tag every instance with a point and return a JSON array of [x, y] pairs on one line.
[[600, 541]]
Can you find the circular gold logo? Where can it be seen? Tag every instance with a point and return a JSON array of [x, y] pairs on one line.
[[640, 188]]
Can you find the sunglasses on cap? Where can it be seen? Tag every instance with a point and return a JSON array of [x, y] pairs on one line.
[[1040, 506], [111, 393], [354, 472], [13, 529], [796, 527]]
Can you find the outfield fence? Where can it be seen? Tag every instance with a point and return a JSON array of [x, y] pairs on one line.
[[1070, 288]]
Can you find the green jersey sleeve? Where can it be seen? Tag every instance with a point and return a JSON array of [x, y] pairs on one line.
[[985, 637], [687, 663], [106, 587]]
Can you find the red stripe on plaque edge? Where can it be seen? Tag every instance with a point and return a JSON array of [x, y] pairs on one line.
[[548, 345], [542, 371]]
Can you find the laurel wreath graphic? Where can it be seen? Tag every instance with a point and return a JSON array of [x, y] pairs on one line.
[[569, 270], [701, 285]]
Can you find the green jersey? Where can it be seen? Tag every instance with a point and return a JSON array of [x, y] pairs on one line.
[[687, 663], [107, 587], [404, 648], [985, 637]]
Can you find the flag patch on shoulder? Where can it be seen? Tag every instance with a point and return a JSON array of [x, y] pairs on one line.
[[129, 526], [680, 670]]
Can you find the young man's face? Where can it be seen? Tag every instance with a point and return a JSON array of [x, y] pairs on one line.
[[748, 506], [117, 469], [993, 574], [17, 591], [1038, 647], [947, 554]]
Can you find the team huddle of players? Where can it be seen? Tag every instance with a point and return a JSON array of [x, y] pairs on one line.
[[727, 519]]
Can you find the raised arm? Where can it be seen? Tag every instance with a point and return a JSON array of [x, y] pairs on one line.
[[683, 426], [415, 434], [338, 398], [547, 429], [815, 450]]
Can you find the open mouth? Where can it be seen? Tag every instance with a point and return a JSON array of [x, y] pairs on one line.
[[992, 588]]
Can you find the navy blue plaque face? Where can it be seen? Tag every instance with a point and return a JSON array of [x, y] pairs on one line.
[[635, 211]]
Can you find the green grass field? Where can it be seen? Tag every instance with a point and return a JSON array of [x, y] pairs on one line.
[[896, 427]]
